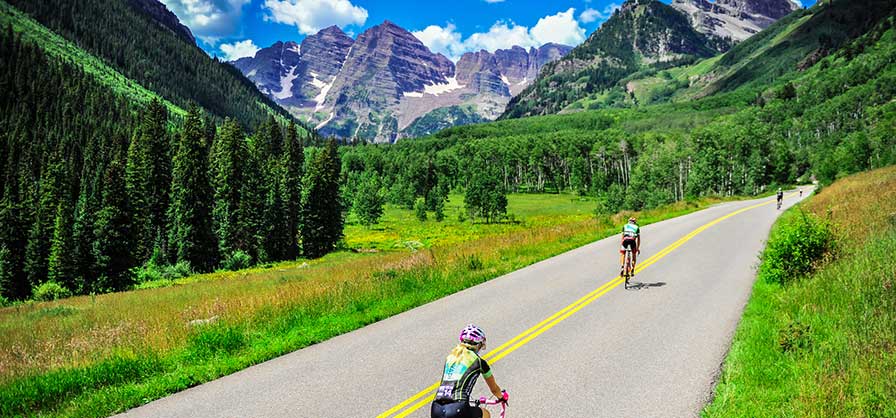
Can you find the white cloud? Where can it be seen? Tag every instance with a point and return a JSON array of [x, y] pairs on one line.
[[591, 15], [494, 1], [442, 40], [239, 50], [501, 35], [209, 20], [560, 28], [310, 16]]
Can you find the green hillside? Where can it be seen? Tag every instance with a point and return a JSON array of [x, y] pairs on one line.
[[58, 48], [154, 56], [791, 45], [642, 34]]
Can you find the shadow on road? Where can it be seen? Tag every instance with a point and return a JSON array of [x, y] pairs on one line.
[[632, 285]]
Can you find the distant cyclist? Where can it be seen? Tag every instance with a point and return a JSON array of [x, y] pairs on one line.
[[462, 367], [631, 238], [780, 196]]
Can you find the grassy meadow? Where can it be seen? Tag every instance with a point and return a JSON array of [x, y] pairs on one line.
[[400, 228], [823, 344], [91, 356]]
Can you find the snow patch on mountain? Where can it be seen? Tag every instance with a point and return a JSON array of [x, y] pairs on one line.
[[316, 82], [319, 99], [437, 89], [286, 84], [324, 123]]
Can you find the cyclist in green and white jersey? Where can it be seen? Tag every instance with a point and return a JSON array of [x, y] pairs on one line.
[[631, 238]]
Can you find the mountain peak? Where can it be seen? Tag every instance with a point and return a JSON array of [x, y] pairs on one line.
[[332, 30], [390, 24]]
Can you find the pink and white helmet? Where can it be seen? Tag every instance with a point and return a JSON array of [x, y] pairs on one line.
[[471, 334]]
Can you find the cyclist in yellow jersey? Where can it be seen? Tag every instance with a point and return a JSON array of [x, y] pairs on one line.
[[462, 367]]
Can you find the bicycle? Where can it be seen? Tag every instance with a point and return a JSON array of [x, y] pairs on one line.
[[485, 401], [627, 269], [779, 204]]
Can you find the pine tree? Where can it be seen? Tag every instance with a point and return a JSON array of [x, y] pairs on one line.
[[252, 201], [227, 169], [273, 136], [86, 208], [192, 238], [148, 179], [137, 184], [82, 235], [112, 228], [277, 238], [62, 268], [322, 221], [41, 233], [293, 168], [155, 134]]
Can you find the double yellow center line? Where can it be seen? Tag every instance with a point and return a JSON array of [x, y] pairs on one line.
[[510, 346]]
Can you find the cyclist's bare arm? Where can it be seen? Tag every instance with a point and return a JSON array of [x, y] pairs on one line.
[[639, 242], [493, 386]]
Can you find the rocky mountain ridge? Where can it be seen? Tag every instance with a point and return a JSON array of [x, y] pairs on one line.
[[734, 20], [160, 13], [387, 84]]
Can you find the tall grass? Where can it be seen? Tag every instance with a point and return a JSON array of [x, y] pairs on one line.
[[823, 344], [154, 342]]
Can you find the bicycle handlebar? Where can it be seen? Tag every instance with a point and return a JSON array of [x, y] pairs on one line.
[[485, 401]]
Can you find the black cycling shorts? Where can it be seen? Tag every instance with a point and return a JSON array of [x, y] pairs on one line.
[[629, 243], [455, 410]]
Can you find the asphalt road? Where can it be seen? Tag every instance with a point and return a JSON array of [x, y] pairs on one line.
[[653, 350]]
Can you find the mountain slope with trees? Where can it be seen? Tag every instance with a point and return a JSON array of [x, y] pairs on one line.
[[100, 176], [123, 34], [642, 33]]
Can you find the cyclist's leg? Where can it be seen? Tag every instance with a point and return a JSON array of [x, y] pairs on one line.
[[622, 259], [483, 413]]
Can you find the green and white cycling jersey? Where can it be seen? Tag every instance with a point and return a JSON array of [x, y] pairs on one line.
[[630, 231], [462, 367]]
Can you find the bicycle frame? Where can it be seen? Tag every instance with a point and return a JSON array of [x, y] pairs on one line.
[[627, 269], [484, 401]]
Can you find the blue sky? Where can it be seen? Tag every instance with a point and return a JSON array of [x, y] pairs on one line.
[[234, 28]]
